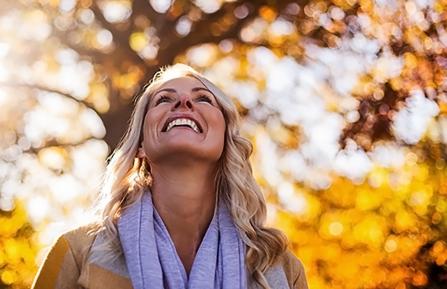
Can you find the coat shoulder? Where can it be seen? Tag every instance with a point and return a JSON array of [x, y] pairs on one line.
[[63, 264], [80, 240], [294, 270], [82, 234]]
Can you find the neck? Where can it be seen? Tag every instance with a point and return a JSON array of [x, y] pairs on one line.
[[185, 199]]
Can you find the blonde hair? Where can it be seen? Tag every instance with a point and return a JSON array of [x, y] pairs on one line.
[[124, 183]]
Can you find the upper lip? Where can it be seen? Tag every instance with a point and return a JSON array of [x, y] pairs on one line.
[[177, 116]]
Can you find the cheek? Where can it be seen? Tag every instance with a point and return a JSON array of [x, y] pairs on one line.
[[149, 129], [151, 121], [219, 128], [223, 127]]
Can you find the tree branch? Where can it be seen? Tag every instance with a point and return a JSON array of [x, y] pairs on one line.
[[121, 38], [203, 33], [47, 89], [53, 142]]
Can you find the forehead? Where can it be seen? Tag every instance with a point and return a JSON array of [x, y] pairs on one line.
[[182, 83]]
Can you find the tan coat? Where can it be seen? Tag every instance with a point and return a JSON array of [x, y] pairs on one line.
[[68, 266]]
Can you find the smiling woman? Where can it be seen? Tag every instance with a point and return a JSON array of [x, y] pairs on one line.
[[180, 207], [167, 136]]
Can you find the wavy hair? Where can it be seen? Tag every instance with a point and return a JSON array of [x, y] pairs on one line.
[[124, 183]]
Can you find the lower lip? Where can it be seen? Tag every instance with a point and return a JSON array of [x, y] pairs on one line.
[[182, 127]]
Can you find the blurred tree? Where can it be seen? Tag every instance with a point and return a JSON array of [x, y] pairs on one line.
[[344, 101], [127, 41], [18, 249]]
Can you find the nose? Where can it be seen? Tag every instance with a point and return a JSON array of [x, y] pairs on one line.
[[183, 101]]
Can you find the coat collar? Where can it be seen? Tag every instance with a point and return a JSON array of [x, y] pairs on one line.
[[105, 268], [101, 278]]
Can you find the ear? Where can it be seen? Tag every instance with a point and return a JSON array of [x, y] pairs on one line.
[[141, 153]]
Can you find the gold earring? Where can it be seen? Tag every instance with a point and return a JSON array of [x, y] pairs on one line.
[[144, 174]]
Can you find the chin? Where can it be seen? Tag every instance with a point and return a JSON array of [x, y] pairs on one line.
[[191, 152]]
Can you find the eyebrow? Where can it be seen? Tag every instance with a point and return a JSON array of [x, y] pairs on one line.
[[194, 89]]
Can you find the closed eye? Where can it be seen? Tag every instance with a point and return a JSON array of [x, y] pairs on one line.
[[162, 99], [205, 98]]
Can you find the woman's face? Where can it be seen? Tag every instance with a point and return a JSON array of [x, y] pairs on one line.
[[183, 120]]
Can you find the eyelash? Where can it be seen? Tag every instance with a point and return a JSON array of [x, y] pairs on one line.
[[162, 99], [166, 98], [207, 99]]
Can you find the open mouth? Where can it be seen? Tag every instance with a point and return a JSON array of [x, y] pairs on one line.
[[185, 122]]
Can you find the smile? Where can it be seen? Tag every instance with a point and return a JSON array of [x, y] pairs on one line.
[[183, 122]]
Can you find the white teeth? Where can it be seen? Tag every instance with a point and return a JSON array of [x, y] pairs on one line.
[[183, 121]]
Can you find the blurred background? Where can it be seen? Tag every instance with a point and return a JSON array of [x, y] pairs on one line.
[[344, 101]]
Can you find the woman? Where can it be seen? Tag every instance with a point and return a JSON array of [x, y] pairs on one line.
[[180, 207]]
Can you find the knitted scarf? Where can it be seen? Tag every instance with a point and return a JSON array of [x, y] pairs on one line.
[[153, 263]]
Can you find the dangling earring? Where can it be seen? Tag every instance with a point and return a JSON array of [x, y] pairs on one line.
[[145, 174]]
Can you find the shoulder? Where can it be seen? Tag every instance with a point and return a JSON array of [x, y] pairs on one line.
[[80, 235], [63, 263], [78, 241], [291, 263], [294, 270]]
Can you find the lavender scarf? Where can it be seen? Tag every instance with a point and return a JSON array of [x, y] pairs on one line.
[[152, 260]]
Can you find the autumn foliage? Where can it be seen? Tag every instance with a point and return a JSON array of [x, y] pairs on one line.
[[344, 101]]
